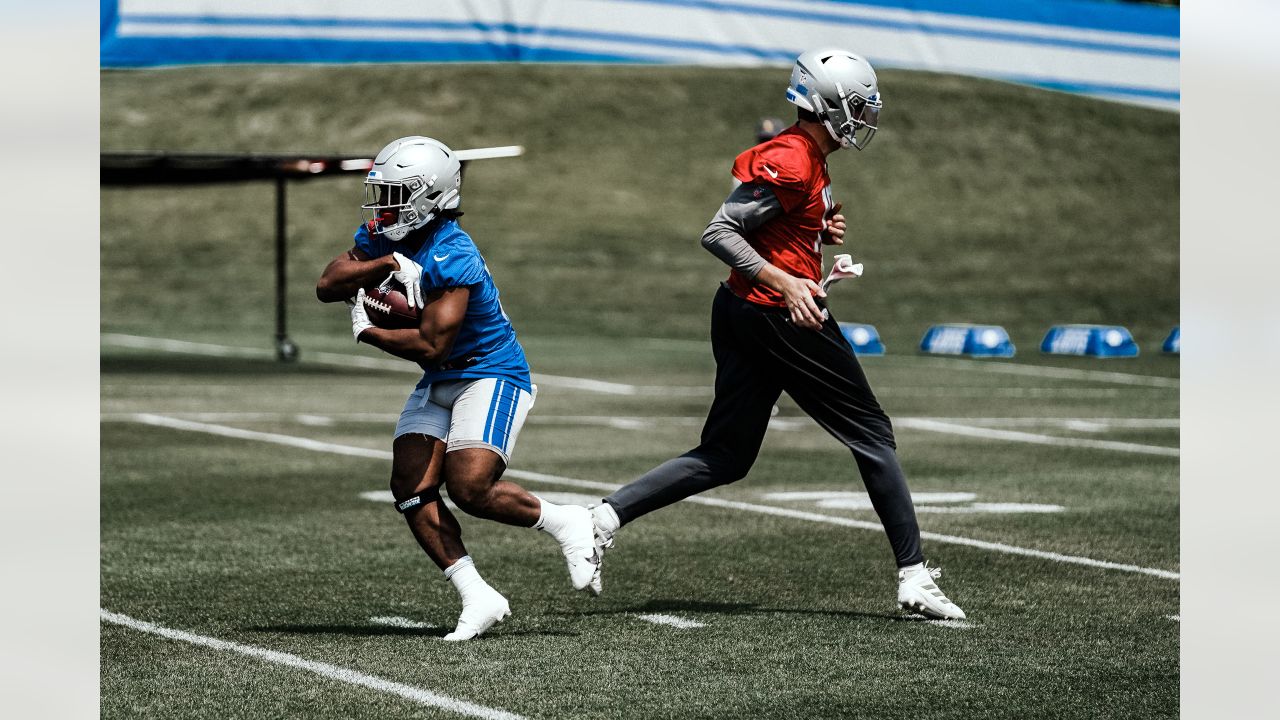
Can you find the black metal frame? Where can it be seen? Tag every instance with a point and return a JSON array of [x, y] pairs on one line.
[[135, 169]]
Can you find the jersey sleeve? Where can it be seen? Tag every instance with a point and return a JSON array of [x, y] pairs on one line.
[[375, 246], [747, 208], [454, 267], [778, 166]]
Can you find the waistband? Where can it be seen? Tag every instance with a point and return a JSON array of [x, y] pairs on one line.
[[782, 310]]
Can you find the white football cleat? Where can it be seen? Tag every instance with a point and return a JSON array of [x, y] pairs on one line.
[[603, 541], [577, 542], [479, 615], [917, 592]]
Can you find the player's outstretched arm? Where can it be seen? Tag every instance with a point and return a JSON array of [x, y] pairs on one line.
[[349, 272], [433, 339]]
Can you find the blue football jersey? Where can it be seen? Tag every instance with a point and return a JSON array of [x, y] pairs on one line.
[[486, 344]]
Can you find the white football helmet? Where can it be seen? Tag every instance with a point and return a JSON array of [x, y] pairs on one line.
[[411, 180], [840, 88]]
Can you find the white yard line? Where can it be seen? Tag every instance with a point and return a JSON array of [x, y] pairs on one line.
[[278, 439], [1013, 393], [318, 446], [613, 388], [575, 383], [1070, 423], [400, 622], [652, 422], [861, 497], [971, 427], [342, 360], [936, 537], [422, 696], [1017, 436], [914, 423], [672, 620], [270, 416], [183, 346]]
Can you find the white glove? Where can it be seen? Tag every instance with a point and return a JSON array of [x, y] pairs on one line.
[[359, 318], [409, 275]]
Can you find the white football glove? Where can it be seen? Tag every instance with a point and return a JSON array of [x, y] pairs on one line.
[[359, 318], [409, 275]]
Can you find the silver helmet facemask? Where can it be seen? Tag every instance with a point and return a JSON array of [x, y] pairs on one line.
[[401, 205], [861, 117]]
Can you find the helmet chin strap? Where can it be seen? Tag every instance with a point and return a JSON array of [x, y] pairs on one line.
[[835, 134], [819, 108], [402, 232]]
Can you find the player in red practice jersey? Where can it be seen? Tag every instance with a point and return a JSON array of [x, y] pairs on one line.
[[769, 332]]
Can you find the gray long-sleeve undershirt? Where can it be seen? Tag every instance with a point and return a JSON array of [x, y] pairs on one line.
[[747, 208]]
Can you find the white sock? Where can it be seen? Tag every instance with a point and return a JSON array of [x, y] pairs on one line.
[[908, 571], [606, 517], [465, 578], [553, 519]]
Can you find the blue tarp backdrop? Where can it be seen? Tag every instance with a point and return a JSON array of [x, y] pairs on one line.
[[1118, 51]]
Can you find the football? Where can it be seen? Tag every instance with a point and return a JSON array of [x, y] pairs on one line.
[[388, 307]]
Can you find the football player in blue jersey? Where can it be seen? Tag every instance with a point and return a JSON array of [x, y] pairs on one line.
[[460, 423]]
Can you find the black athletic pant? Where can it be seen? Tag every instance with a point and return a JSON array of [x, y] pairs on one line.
[[759, 353]]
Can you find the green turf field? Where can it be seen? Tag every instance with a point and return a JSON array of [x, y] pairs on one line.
[[234, 488]]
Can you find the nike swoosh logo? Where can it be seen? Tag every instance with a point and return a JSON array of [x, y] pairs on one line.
[[439, 258], [772, 174]]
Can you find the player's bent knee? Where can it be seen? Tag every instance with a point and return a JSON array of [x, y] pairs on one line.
[[724, 466], [468, 494]]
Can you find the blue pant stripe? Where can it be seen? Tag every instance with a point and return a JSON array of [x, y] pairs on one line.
[[503, 420], [511, 419], [493, 407]]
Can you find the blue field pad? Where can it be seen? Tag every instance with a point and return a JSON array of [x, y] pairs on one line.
[[864, 338], [966, 339], [1090, 340]]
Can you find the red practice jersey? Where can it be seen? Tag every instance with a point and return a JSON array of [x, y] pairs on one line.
[[793, 167]]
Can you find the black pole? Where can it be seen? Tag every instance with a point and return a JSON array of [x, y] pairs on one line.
[[286, 350]]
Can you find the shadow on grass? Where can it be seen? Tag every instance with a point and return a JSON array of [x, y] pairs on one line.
[[391, 631], [715, 608], [140, 364]]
